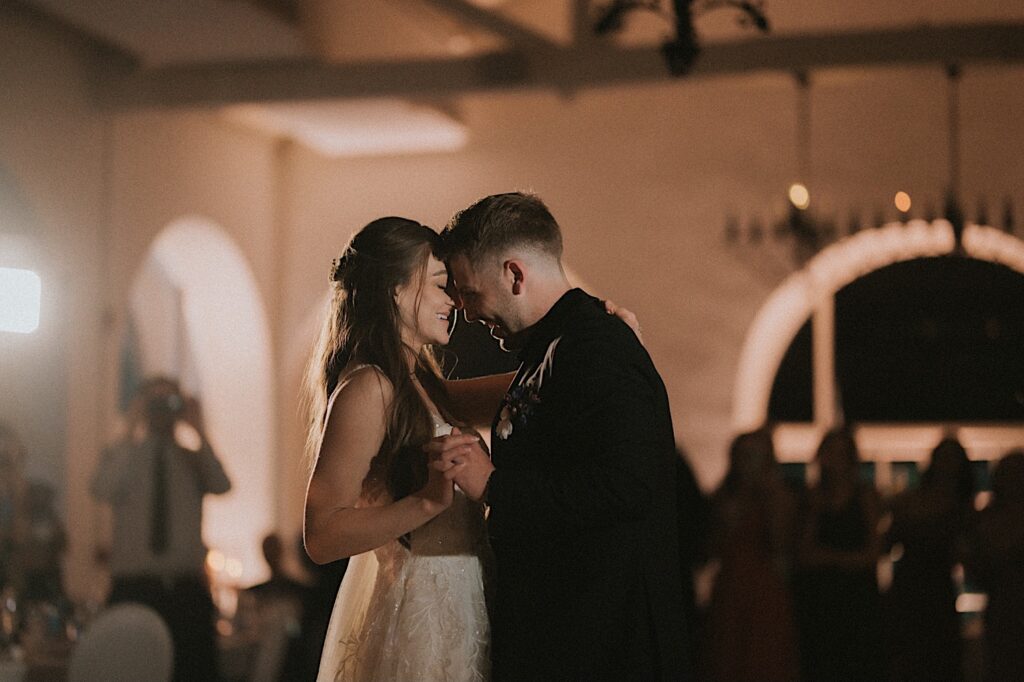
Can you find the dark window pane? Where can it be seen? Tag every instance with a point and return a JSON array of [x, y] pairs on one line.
[[792, 398], [933, 339], [867, 472], [905, 474], [982, 475], [794, 472]]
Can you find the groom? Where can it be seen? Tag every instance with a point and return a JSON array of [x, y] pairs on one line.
[[581, 479]]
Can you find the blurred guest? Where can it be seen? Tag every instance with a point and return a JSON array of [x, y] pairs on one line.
[[274, 607], [694, 513], [997, 563], [40, 551], [316, 611], [12, 499], [837, 588], [156, 487], [749, 632], [929, 523], [280, 585]]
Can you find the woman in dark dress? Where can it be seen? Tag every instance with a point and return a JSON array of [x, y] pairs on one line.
[[749, 633], [929, 523], [996, 561], [837, 587]]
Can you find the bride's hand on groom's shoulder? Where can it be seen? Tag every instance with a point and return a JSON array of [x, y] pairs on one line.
[[626, 315]]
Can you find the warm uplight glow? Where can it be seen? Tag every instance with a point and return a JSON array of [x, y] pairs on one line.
[[20, 295], [902, 201], [197, 314], [799, 196]]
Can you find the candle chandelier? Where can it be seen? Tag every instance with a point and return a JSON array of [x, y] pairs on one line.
[[776, 248]]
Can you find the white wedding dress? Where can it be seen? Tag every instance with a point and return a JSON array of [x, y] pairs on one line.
[[417, 613]]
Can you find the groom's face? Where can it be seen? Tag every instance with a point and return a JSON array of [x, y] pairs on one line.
[[482, 294]]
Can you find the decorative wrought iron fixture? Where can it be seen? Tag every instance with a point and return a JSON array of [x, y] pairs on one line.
[[682, 50]]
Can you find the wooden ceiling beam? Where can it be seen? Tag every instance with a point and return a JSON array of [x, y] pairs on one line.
[[592, 65]]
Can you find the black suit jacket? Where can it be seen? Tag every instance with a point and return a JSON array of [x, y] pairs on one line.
[[583, 514]]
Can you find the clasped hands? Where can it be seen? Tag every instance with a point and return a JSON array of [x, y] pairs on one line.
[[463, 459]]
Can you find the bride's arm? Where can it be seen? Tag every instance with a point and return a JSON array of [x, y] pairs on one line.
[[476, 401], [335, 526]]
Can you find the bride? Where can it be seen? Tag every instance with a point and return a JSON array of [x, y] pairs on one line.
[[411, 604]]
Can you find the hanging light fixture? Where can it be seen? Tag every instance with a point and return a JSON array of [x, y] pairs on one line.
[[801, 223], [952, 209], [682, 50], [809, 231]]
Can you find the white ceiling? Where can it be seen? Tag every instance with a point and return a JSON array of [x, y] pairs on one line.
[[157, 32], [270, 61]]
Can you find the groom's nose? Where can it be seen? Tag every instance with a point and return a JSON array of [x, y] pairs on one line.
[[453, 293]]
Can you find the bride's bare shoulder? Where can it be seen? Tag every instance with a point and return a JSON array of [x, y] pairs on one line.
[[357, 414], [360, 383]]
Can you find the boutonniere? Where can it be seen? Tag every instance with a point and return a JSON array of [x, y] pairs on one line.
[[518, 405], [523, 397]]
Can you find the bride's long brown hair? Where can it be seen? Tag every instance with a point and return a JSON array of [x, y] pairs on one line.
[[363, 326]]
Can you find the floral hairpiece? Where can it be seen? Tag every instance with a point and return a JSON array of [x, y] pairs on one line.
[[338, 266]]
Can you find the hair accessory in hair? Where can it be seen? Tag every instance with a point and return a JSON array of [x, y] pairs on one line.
[[338, 266]]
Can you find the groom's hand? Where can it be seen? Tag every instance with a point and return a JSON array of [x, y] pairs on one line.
[[462, 458]]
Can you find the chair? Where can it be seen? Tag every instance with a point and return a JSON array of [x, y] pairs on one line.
[[125, 643]]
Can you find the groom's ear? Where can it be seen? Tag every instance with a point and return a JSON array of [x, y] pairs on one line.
[[515, 271]]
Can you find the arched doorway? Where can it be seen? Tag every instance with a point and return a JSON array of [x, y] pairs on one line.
[[196, 314]]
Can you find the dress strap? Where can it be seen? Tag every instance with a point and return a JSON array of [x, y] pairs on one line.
[[348, 374]]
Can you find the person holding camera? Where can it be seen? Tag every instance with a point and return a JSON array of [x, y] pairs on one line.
[[155, 487]]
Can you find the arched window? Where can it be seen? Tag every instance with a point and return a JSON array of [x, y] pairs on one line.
[[902, 335], [896, 331]]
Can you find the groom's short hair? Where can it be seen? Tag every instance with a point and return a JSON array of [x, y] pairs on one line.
[[500, 221]]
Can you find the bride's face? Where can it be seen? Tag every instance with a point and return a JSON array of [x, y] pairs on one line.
[[425, 306]]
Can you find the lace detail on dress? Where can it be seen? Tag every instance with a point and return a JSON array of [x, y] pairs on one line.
[[418, 613]]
